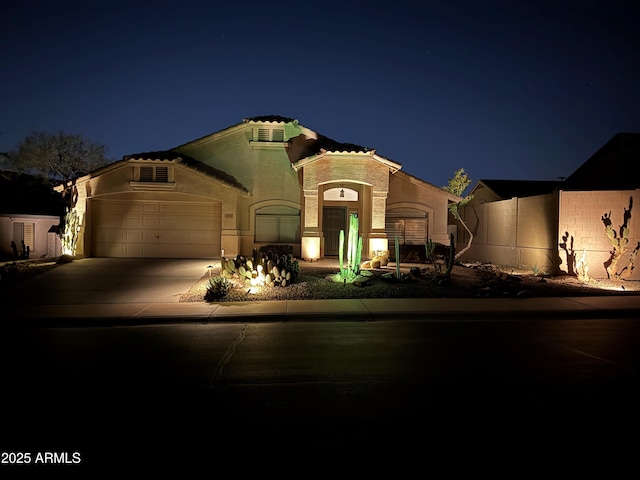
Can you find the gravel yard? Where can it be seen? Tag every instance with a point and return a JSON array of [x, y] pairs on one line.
[[467, 280]]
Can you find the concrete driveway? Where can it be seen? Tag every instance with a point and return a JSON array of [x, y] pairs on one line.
[[110, 280]]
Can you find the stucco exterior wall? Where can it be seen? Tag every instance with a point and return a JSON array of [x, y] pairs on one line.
[[518, 232], [264, 165], [185, 185], [263, 168], [407, 191], [45, 244], [581, 221]]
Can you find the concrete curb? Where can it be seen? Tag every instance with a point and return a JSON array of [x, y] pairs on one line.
[[365, 310]]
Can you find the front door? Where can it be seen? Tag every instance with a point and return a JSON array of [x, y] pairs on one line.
[[334, 219]]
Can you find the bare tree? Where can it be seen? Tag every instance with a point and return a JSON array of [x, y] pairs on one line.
[[457, 185], [59, 158]]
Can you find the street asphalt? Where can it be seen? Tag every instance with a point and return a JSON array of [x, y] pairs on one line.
[[110, 291]]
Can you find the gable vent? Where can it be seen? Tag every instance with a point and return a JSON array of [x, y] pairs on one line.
[[146, 174], [278, 135], [263, 135], [162, 174]]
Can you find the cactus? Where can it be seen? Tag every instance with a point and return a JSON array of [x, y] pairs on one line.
[[397, 257], [430, 252], [444, 278], [343, 271], [582, 269], [358, 254], [354, 251], [350, 270], [267, 269], [69, 237], [619, 241]]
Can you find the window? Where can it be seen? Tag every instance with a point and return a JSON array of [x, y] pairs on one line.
[[277, 225], [24, 231], [154, 174], [408, 224]]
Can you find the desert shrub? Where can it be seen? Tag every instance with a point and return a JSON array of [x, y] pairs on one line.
[[65, 258], [217, 287], [277, 249], [410, 254]]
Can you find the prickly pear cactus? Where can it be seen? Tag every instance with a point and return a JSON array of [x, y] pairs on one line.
[[271, 270]]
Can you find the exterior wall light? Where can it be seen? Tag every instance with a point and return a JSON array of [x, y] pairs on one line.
[[311, 248]]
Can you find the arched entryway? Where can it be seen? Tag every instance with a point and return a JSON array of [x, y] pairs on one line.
[[338, 202]]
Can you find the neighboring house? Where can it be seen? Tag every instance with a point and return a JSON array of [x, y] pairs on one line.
[[265, 181], [29, 217], [552, 225]]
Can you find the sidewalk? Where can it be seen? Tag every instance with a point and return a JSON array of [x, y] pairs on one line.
[[93, 292], [426, 309]]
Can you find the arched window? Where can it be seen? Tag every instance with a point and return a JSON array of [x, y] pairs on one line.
[[341, 194]]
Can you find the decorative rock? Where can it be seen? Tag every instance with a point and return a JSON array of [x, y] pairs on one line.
[[362, 281]]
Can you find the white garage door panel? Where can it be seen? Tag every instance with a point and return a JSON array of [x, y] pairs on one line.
[[156, 229]]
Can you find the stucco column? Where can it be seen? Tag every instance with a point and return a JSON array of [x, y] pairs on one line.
[[230, 238], [310, 241], [378, 239]]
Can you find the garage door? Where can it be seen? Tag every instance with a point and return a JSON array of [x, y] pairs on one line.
[[156, 229]]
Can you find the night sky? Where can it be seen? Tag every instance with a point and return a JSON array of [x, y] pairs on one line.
[[503, 90]]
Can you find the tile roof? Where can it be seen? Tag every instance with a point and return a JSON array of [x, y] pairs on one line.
[[190, 163], [269, 118], [324, 142]]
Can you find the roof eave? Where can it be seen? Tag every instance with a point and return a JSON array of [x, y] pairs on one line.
[[393, 166]]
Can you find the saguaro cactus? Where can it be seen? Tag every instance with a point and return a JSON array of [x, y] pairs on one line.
[[351, 268]]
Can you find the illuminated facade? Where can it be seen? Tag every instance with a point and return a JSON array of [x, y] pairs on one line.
[[265, 181]]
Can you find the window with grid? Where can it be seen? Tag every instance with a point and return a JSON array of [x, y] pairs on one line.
[[24, 231], [277, 225]]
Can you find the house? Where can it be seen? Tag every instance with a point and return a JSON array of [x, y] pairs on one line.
[[266, 181], [552, 225], [29, 217]]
